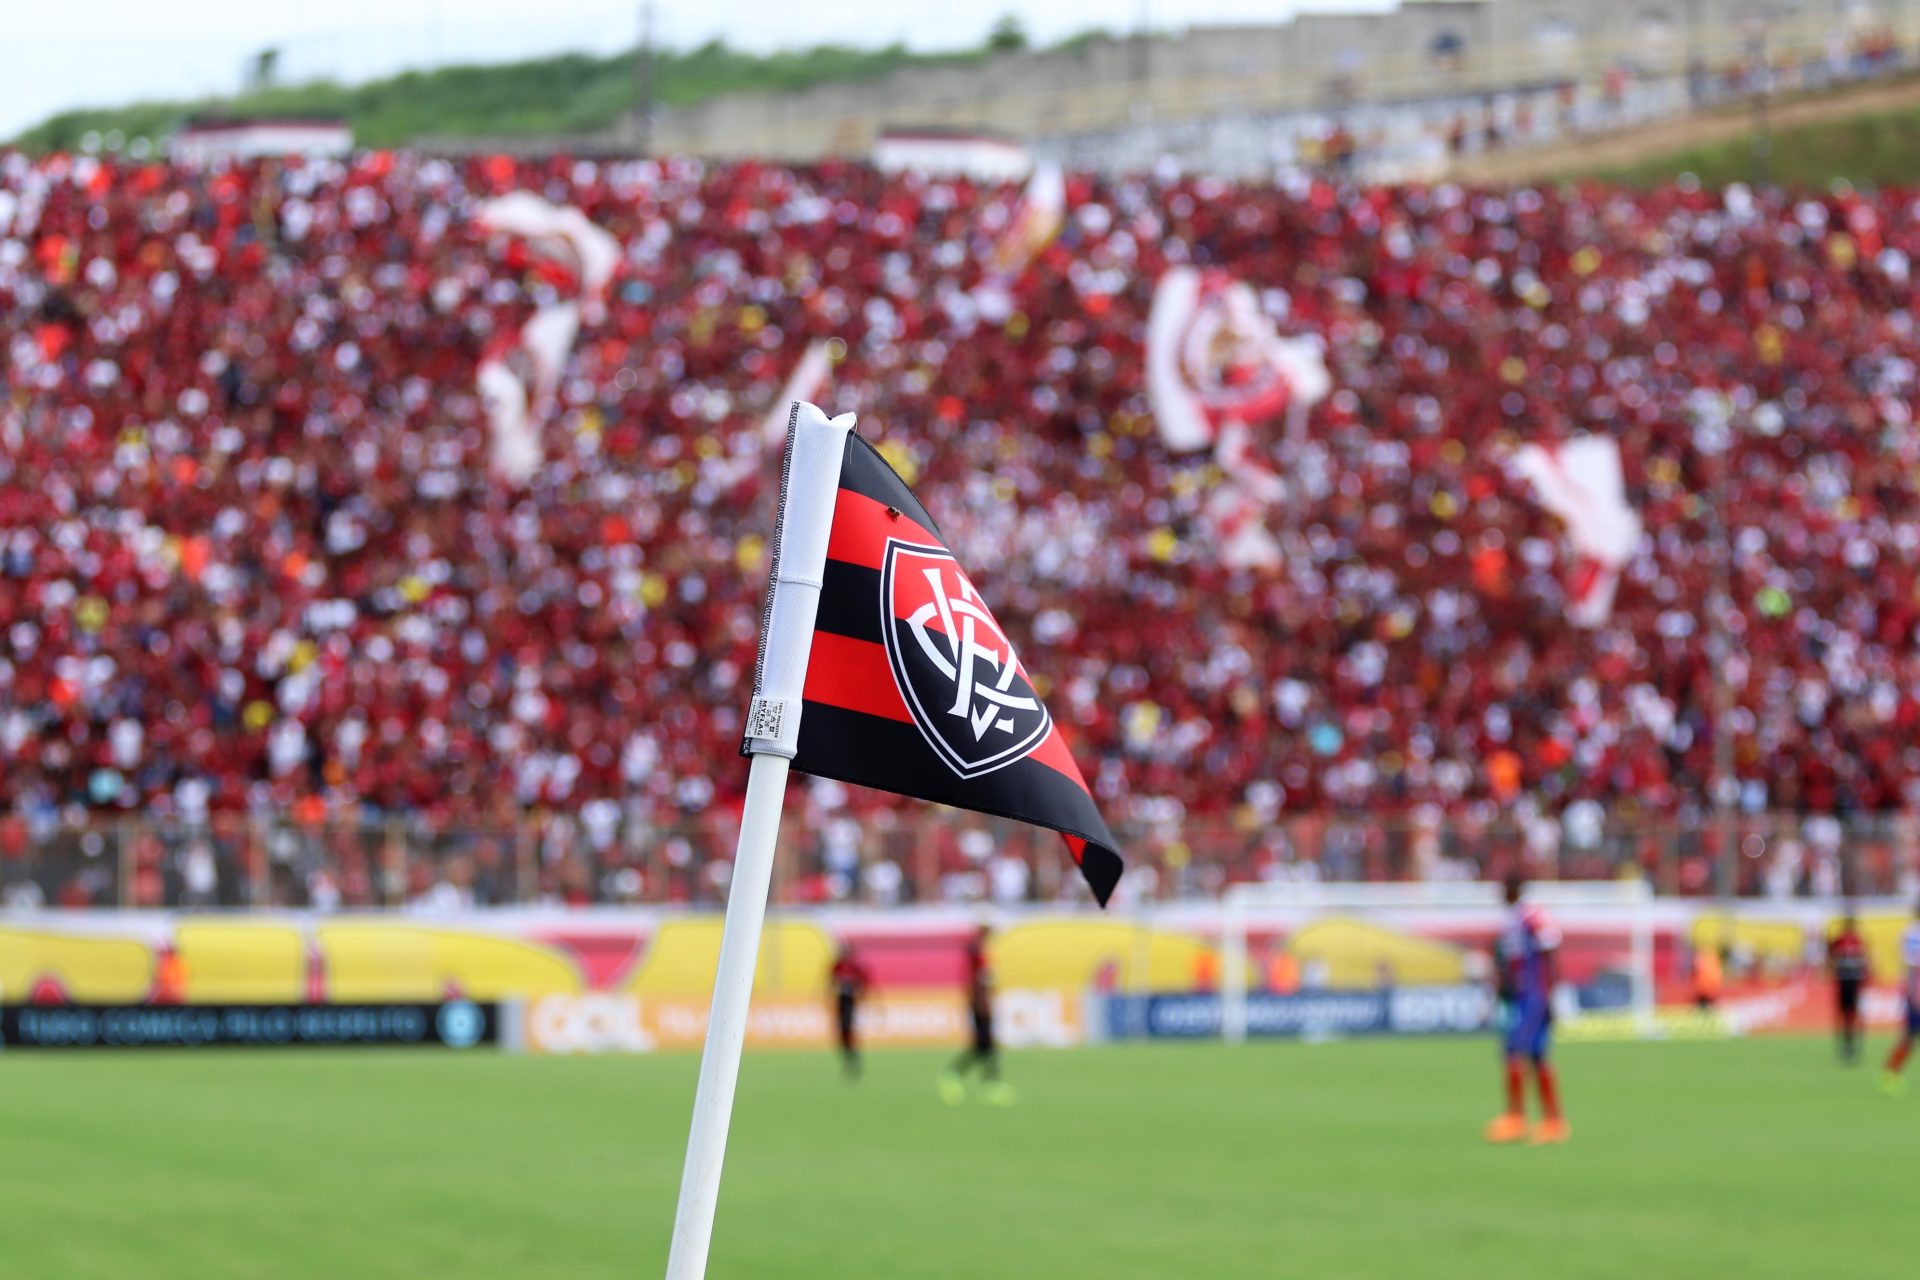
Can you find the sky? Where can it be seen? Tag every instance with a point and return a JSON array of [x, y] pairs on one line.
[[54, 56]]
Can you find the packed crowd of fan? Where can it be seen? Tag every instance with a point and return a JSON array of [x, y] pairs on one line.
[[252, 557]]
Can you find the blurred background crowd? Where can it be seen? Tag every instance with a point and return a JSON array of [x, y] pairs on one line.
[[275, 633]]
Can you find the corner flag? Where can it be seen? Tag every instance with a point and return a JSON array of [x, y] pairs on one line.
[[879, 665], [910, 686]]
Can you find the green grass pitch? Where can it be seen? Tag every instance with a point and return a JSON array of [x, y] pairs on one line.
[[1353, 1160]]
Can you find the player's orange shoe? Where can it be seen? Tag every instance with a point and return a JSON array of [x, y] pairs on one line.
[[1550, 1132], [1507, 1128]]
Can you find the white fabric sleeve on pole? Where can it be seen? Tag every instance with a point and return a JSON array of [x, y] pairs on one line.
[[816, 447]]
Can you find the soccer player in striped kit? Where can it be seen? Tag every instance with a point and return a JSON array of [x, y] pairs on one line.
[[1847, 957], [850, 980]]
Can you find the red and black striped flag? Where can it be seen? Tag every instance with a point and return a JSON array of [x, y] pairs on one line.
[[909, 684]]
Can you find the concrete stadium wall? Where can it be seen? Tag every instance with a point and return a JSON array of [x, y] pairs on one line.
[[1318, 61]]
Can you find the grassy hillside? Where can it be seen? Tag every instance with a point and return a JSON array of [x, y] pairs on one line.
[[1866, 133], [1881, 149], [567, 93]]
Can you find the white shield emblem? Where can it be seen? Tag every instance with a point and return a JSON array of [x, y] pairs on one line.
[[955, 668]]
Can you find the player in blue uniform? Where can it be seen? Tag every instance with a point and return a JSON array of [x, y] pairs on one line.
[[1891, 1081], [1526, 951]]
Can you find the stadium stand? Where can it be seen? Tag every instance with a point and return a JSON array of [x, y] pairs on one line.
[[258, 579]]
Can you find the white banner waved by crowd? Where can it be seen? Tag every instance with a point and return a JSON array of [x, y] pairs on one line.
[[1217, 367], [520, 372], [1579, 480]]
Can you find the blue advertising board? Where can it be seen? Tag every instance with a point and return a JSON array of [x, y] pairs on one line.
[[1396, 1011], [456, 1024]]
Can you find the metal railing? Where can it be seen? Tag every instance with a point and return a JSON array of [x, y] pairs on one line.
[[240, 861]]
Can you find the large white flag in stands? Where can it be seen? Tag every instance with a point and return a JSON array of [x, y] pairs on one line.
[[558, 232], [1217, 367], [1035, 220], [547, 338], [1212, 355], [516, 405], [1237, 508], [1580, 481], [806, 384], [514, 445]]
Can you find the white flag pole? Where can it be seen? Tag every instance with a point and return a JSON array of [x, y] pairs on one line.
[[815, 448], [727, 1025]]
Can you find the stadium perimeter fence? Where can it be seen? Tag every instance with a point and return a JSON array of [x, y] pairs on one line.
[[598, 856]]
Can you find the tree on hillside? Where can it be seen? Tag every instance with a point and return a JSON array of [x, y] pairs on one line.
[[265, 69], [1008, 35]]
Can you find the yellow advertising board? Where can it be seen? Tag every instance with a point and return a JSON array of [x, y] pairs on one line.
[[616, 1022]]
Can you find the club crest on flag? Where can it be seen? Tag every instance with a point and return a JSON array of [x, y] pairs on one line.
[[955, 668]]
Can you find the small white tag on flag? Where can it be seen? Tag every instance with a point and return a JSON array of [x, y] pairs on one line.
[[769, 722]]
